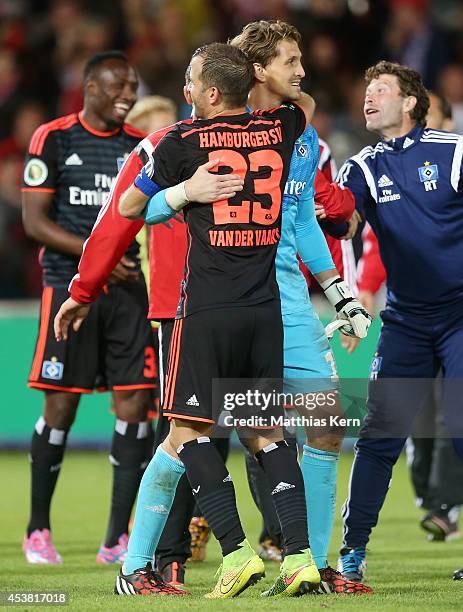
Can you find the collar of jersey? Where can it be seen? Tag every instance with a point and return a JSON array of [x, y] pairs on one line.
[[397, 144], [245, 112], [89, 128]]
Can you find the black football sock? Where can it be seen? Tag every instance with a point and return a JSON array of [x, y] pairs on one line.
[[213, 490], [131, 450], [261, 493], [223, 447], [287, 489], [46, 456]]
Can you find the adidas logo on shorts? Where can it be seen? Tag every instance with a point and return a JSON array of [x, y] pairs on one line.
[[384, 181], [282, 486], [193, 401]]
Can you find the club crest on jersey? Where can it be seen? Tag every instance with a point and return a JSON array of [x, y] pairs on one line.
[[302, 150], [429, 174], [35, 172], [52, 369]]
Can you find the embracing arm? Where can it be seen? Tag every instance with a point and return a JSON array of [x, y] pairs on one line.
[[338, 203], [307, 103], [203, 187], [311, 243]]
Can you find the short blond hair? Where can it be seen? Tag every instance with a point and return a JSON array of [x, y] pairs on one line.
[[259, 39], [150, 104]]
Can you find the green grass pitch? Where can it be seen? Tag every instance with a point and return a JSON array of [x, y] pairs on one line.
[[406, 572]]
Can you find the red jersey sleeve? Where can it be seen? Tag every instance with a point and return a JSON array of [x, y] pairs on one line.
[[371, 271], [112, 233], [338, 203], [111, 236]]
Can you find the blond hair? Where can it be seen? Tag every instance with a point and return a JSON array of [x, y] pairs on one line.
[[148, 105], [259, 39]]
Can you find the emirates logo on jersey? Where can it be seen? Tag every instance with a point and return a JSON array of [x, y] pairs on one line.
[[295, 188], [92, 197]]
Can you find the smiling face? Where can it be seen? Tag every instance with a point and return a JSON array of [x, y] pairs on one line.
[[283, 74], [111, 92], [386, 110], [195, 93]]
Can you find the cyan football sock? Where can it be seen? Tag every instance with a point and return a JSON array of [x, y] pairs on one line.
[[319, 469], [129, 459], [155, 497]]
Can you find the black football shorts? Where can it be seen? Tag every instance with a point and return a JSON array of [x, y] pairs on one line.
[[113, 349], [238, 343]]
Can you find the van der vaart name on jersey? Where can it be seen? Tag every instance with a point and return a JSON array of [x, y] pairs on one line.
[[242, 238], [92, 197]]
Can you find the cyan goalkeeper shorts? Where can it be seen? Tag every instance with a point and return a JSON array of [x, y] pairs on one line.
[[309, 364]]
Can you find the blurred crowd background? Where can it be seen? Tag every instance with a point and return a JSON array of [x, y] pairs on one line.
[[44, 45]]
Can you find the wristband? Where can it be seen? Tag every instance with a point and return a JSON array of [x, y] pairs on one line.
[[146, 185], [157, 210], [337, 292], [176, 196]]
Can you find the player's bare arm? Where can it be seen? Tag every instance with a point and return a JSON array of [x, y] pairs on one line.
[[75, 313], [124, 272], [203, 187], [69, 312], [307, 103], [39, 226], [132, 203], [353, 224], [320, 211]]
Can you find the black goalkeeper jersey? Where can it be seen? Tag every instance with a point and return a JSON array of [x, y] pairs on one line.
[[232, 243], [78, 165]]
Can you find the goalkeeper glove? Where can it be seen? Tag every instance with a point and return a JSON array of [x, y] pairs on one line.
[[348, 308]]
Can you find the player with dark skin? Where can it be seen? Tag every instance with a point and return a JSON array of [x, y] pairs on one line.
[[53, 217], [108, 97]]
